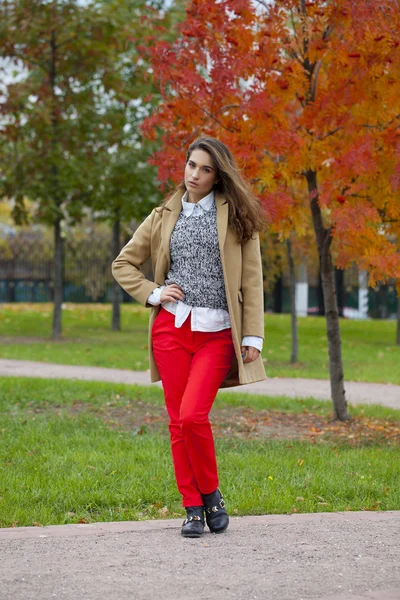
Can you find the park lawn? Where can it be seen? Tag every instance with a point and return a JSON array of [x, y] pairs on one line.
[[81, 452], [369, 350]]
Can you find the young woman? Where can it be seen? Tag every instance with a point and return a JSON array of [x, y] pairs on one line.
[[207, 322]]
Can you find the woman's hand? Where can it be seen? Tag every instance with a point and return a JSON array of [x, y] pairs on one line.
[[249, 354], [171, 293]]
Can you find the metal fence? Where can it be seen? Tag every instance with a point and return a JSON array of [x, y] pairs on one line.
[[26, 275], [26, 269]]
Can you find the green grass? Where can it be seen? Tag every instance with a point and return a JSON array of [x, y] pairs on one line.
[[68, 454], [369, 350]]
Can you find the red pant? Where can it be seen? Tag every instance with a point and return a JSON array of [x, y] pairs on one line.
[[192, 365]]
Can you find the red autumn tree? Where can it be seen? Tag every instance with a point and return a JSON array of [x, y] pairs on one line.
[[307, 96]]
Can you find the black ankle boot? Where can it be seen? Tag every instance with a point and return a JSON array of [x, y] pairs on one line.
[[216, 515], [193, 525]]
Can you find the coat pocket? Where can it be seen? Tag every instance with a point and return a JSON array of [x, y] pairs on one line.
[[240, 296]]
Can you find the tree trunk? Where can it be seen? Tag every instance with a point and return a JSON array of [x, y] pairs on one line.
[[292, 289], [320, 296], [324, 239], [116, 289], [398, 319], [339, 283], [58, 280], [363, 299], [58, 242]]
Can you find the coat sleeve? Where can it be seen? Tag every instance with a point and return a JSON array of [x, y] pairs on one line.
[[126, 267], [252, 288]]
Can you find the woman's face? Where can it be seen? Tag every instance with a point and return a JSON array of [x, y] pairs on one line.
[[200, 175]]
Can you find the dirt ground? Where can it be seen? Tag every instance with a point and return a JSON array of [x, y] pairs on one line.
[[246, 423]]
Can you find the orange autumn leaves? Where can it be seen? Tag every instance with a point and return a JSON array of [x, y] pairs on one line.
[[241, 71]]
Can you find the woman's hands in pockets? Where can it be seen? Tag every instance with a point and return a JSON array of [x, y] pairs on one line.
[[171, 293], [249, 354]]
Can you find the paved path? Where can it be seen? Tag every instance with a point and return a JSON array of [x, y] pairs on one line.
[[329, 556], [324, 556], [356, 392]]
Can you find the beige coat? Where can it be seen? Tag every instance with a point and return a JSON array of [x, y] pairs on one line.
[[242, 273]]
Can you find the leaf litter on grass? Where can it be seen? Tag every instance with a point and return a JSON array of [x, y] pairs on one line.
[[141, 418]]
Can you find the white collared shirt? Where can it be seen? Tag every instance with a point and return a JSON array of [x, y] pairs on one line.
[[202, 319]]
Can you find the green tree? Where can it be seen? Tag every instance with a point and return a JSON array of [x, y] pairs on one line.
[[127, 191], [61, 118], [127, 183]]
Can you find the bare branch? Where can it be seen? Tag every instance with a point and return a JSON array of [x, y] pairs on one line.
[[228, 106], [380, 126], [209, 114], [327, 32], [314, 81], [323, 137], [264, 4]]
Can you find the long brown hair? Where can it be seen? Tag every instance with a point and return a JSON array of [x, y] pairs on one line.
[[245, 215]]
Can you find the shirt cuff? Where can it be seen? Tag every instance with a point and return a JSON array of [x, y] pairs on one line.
[[154, 297], [254, 341]]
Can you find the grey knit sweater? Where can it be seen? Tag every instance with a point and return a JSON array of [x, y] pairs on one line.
[[196, 261]]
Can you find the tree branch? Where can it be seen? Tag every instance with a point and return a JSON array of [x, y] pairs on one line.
[[314, 81], [209, 114], [382, 126], [323, 137], [296, 36], [327, 32], [71, 39], [327, 241], [264, 4], [204, 110], [223, 108], [29, 61]]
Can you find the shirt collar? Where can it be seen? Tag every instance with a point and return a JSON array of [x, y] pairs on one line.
[[206, 203]]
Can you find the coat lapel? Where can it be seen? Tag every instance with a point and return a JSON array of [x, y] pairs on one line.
[[171, 214]]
